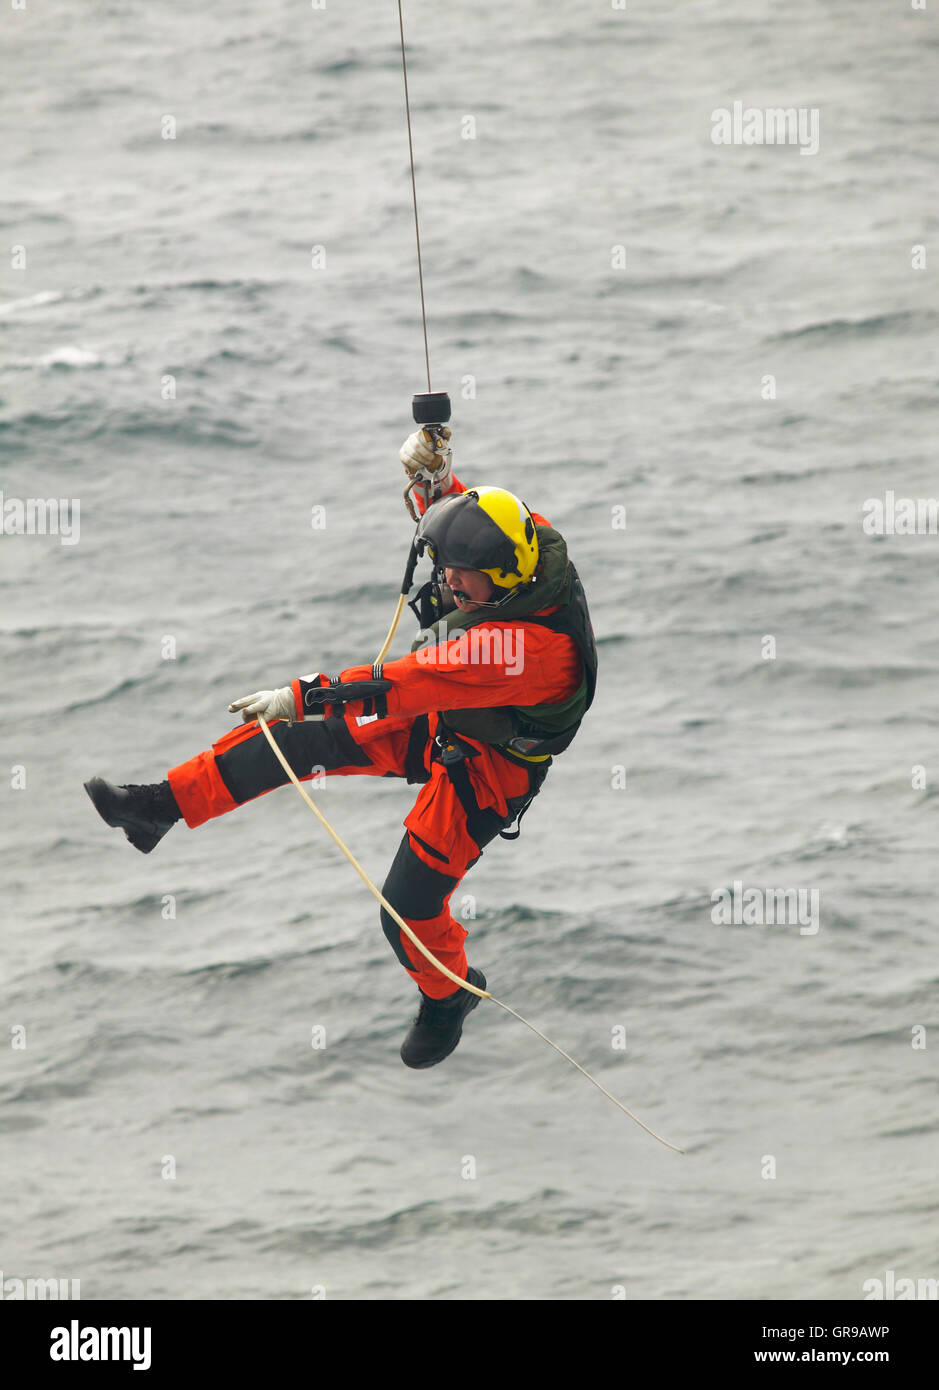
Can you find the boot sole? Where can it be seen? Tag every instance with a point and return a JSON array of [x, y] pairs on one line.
[[143, 834]]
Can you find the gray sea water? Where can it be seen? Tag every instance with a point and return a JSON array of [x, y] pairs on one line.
[[608, 292]]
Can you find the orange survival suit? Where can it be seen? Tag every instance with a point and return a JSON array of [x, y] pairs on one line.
[[471, 788]]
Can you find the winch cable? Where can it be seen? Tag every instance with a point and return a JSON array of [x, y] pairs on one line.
[[417, 229], [409, 572]]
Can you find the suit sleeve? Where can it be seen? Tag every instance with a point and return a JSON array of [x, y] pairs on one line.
[[418, 493], [485, 667]]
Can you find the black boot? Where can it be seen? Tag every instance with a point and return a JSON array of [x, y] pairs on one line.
[[439, 1024], [144, 813]]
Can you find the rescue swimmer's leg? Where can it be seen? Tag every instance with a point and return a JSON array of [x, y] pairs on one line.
[[435, 853], [242, 766]]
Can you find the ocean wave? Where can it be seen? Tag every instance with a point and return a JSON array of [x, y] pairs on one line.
[[901, 321], [204, 133], [113, 693], [79, 294], [544, 1212], [33, 301], [70, 355], [247, 288]]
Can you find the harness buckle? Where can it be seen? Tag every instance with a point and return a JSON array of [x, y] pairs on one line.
[[452, 749]]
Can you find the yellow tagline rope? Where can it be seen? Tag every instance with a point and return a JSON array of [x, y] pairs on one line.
[[463, 984]]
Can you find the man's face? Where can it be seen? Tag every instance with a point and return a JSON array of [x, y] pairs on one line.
[[470, 588]]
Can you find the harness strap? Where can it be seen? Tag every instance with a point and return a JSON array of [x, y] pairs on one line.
[[536, 776], [483, 824], [414, 769]]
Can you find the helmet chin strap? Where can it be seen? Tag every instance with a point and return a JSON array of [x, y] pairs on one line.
[[479, 604]]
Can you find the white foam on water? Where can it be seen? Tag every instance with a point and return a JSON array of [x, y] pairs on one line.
[[33, 301], [68, 356]]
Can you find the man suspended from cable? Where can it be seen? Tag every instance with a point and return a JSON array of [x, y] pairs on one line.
[[495, 686]]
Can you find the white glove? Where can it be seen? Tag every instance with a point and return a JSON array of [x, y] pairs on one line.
[[273, 704], [426, 456]]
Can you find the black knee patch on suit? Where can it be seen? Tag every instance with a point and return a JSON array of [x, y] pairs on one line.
[[415, 891], [250, 768]]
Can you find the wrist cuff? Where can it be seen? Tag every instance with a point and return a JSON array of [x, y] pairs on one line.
[[300, 687]]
